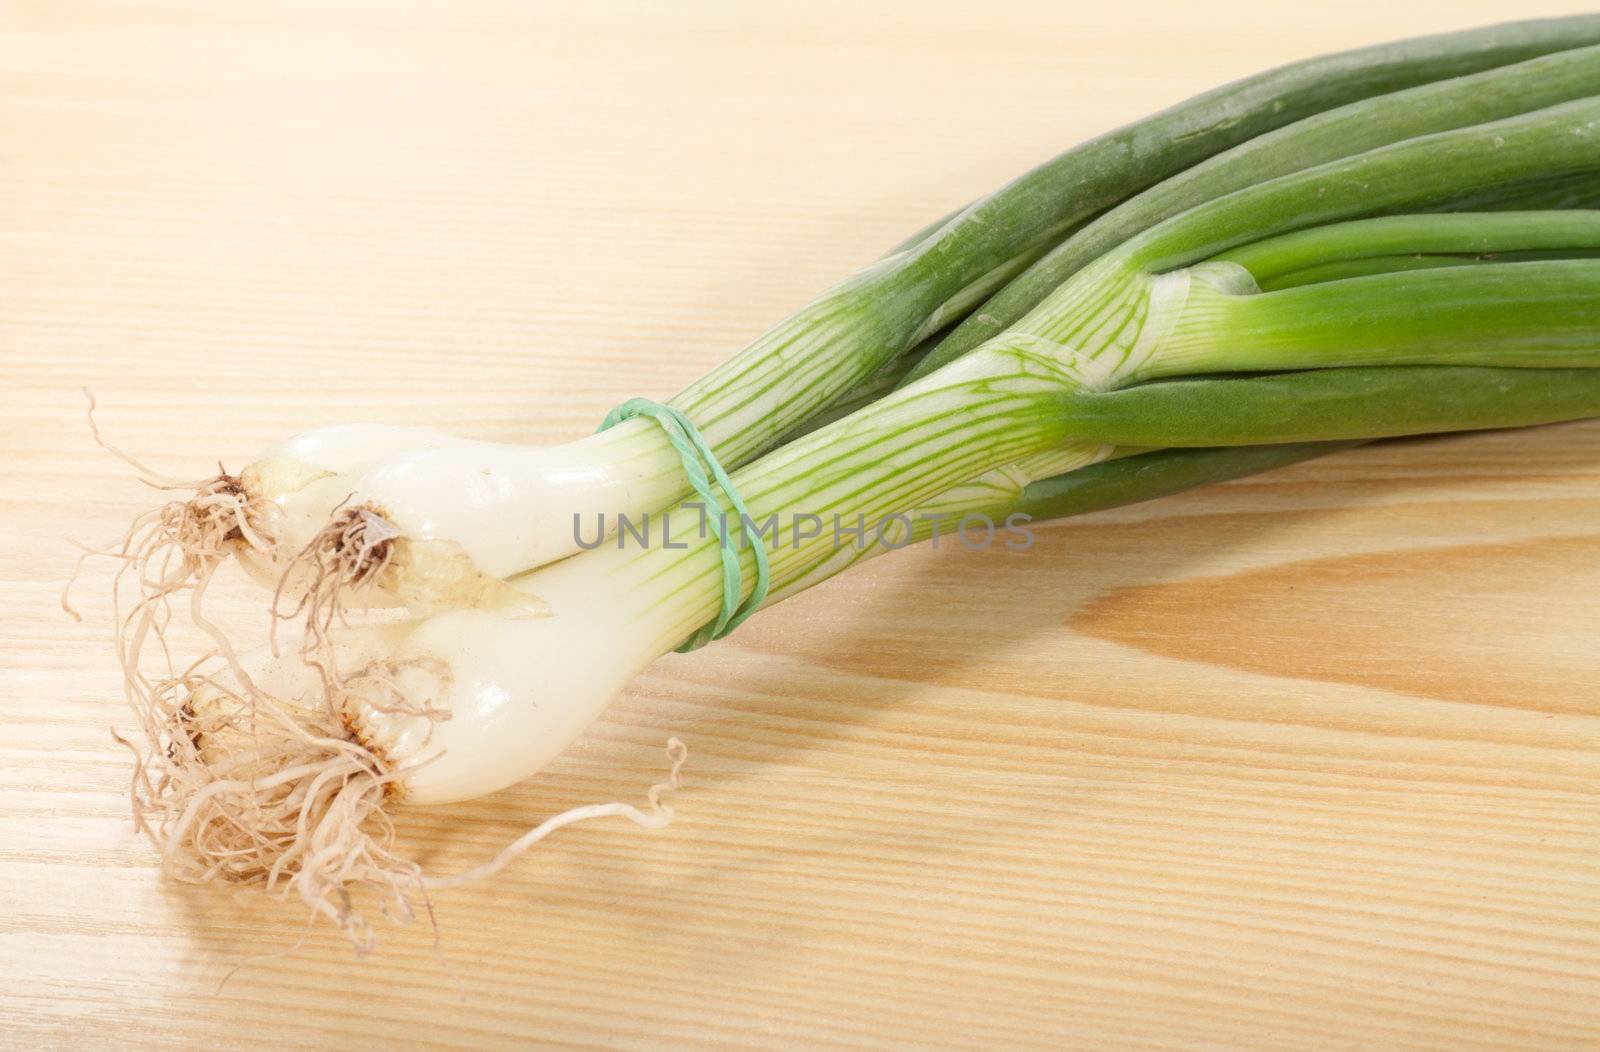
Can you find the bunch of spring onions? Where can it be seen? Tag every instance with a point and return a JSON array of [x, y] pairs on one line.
[[1385, 242]]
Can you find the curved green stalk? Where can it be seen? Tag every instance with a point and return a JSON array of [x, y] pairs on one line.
[[1349, 130], [1469, 233], [1542, 313], [1147, 476], [1341, 269], [1563, 139], [1360, 268], [1333, 405]]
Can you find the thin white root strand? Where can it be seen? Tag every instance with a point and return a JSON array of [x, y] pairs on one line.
[[658, 815]]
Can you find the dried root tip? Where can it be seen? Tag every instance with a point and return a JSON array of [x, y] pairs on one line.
[[360, 553], [168, 553], [220, 511], [171, 549], [335, 572], [251, 790]]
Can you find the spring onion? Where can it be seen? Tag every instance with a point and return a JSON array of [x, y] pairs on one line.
[[1368, 245]]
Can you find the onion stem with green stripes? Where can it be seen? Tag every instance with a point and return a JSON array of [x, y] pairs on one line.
[[441, 501]]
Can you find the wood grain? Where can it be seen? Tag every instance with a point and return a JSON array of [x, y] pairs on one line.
[[1304, 761]]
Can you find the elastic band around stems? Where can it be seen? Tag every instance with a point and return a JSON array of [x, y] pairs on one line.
[[698, 460]]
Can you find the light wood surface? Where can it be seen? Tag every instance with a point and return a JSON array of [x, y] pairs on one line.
[[1304, 761]]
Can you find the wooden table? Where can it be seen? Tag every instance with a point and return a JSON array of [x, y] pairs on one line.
[[1304, 761]]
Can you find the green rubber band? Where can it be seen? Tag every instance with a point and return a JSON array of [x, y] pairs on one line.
[[697, 458]]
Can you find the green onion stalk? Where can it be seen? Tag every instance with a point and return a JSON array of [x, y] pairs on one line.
[[881, 327], [423, 500]]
